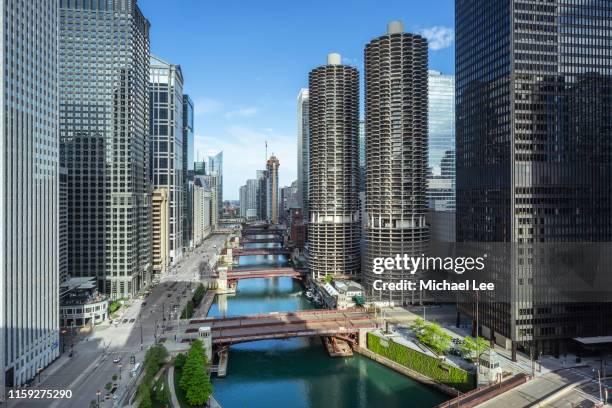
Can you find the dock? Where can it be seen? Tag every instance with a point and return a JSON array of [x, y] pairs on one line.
[[337, 348]]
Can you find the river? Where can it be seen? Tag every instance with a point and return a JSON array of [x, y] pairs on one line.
[[298, 372]]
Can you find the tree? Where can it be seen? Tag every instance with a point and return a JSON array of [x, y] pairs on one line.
[[108, 386], [144, 396], [187, 310], [194, 378], [432, 335], [179, 361], [328, 279], [471, 349], [161, 392], [418, 326]]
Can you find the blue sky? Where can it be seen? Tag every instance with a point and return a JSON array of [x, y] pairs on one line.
[[245, 61]]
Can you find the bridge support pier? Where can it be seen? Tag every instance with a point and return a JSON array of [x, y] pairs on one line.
[[223, 286]]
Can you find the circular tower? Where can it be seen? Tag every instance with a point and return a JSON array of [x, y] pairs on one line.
[[396, 155], [333, 229]]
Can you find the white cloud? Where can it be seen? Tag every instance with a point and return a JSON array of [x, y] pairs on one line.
[[354, 62], [438, 37], [207, 106], [244, 153], [242, 112]]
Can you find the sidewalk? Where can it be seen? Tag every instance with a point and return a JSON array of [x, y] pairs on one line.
[[173, 399]]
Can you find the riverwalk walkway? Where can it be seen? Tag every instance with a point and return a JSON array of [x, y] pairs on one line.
[[173, 398]]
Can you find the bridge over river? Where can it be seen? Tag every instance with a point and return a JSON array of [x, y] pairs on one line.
[[260, 251], [239, 274], [309, 323]]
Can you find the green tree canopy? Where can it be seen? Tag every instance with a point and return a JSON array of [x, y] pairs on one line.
[[472, 348], [432, 335], [194, 379], [144, 396], [179, 361]]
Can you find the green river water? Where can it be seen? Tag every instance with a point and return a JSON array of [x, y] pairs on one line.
[[298, 372]]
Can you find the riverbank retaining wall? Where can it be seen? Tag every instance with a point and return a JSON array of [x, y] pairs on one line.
[[420, 366]]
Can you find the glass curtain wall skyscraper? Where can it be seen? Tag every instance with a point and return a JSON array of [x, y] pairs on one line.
[[215, 168], [333, 185], [441, 172], [166, 145], [104, 130], [188, 167], [302, 149], [396, 155], [29, 190], [534, 156]]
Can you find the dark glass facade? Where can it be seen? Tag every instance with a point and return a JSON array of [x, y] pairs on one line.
[[534, 153], [188, 166]]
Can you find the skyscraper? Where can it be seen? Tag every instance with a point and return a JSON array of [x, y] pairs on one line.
[[104, 130], [252, 189], [188, 160], [160, 207], [302, 149], [202, 205], [29, 190], [396, 154], [534, 157], [243, 201], [333, 185], [361, 155], [262, 201], [272, 190], [209, 182], [215, 168], [441, 173], [199, 168], [166, 146]]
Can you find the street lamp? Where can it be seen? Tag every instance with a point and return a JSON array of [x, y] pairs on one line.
[[120, 365], [38, 370], [98, 395]]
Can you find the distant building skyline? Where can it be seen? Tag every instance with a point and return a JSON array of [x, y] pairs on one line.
[[238, 109]]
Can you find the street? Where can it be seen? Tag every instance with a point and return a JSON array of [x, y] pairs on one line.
[[108, 350]]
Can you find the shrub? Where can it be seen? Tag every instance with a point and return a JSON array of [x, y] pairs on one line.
[[114, 306], [430, 367]]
